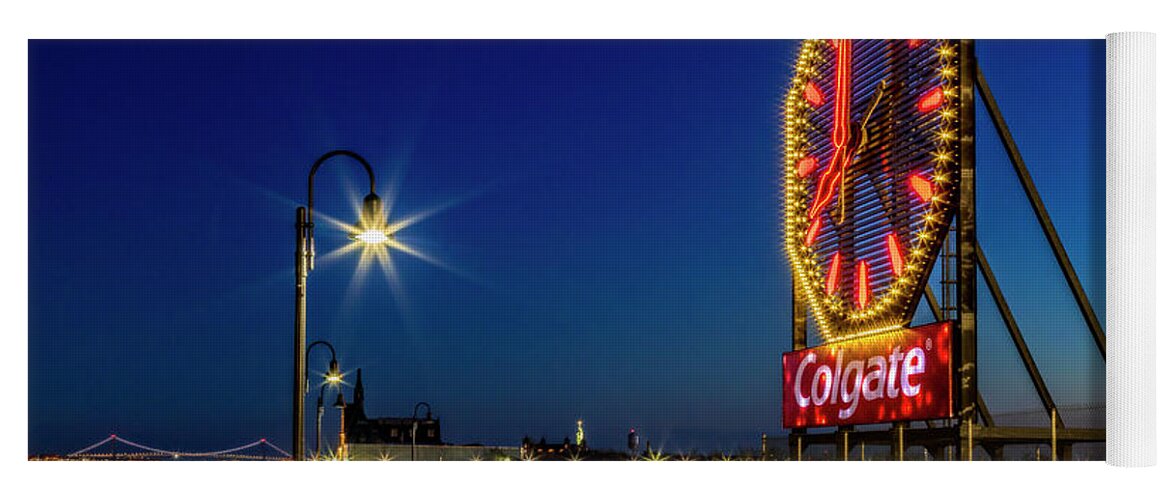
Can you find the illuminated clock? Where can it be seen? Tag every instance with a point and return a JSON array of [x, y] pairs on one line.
[[870, 169]]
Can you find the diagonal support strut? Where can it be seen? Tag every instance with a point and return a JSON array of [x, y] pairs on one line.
[[1019, 340], [1050, 230]]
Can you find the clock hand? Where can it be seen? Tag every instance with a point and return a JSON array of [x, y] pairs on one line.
[[841, 132], [879, 93], [863, 137], [847, 160]]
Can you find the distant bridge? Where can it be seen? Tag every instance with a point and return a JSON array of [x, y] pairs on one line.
[[102, 450]]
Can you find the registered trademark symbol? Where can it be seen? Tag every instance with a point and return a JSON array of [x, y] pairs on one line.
[[928, 344]]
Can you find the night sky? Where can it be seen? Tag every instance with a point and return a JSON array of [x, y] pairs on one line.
[[600, 221]]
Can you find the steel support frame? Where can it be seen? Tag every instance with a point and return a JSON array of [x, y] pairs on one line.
[[970, 261], [964, 346], [1018, 339], [992, 439], [1026, 180]]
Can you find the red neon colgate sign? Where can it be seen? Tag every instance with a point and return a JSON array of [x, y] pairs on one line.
[[902, 375]]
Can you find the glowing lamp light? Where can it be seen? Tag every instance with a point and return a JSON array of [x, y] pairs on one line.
[[371, 237], [372, 226], [334, 376]]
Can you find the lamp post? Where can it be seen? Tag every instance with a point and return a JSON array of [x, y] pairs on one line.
[[370, 230], [341, 435], [332, 378], [320, 413], [415, 424]]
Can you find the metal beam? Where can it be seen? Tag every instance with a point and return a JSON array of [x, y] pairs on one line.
[[945, 436], [913, 436], [965, 347], [1040, 435], [985, 415], [842, 442], [1014, 330], [897, 446], [933, 303], [1026, 180], [937, 311]]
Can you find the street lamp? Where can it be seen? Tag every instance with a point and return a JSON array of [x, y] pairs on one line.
[[415, 424], [333, 378], [334, 375], [370, 230]]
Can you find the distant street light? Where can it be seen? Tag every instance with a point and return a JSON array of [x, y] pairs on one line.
[[333, 378], [371, 229], [341, 435], [415, 424], [320, 413], [334, 375]]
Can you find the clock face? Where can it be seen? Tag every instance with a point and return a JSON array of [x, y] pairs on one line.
[[871, 166]]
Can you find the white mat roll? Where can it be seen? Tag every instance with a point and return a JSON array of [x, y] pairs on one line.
[[1130, 244]]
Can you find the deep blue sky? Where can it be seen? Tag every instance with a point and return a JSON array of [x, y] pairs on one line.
[[607, 228]]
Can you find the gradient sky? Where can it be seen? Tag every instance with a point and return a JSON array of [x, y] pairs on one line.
[[602, 218]]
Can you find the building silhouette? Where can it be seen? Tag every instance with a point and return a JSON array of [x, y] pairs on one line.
[[361, 429]]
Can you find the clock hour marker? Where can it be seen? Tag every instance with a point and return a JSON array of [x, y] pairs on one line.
[[834, 275], [807, 166], [931, 101], [813, 94], [862, 285], [922, 188], [894, 253], [811, 234]]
